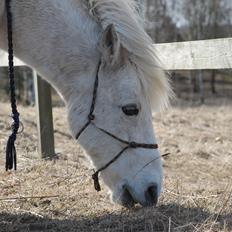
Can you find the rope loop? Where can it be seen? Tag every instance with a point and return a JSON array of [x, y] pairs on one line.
[[21, 127]]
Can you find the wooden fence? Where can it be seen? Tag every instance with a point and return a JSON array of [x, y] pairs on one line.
[[43, 97], [191, 55]]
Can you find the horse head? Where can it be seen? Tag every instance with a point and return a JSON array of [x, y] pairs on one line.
[[121, 113]]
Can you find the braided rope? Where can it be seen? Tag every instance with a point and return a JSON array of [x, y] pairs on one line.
[[11, 161]]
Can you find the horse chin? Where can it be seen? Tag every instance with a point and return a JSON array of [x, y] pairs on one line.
[[128, 200], [122, 198]]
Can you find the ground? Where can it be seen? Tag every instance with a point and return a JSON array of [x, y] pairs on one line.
[[58, 195]]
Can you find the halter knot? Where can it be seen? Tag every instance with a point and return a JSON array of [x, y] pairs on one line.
[[91, 117], [15, 125], [133, 145]]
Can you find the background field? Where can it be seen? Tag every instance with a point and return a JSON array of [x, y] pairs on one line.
[[197, 188], [58, 195]]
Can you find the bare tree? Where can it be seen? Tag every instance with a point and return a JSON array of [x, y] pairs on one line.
[[204, 18], [159, 23], [219, 13]]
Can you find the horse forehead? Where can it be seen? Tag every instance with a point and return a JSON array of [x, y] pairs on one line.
[[126, 89], [126, 75], [121, 86], [129, 79]]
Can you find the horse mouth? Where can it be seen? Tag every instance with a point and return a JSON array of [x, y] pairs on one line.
[[149, 198], [126, 199]]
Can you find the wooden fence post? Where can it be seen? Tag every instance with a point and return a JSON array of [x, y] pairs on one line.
[[44, 117]]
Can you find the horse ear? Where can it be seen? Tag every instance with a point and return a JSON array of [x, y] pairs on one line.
[[110, 46]]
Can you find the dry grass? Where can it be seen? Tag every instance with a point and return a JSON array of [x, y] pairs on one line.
[[58, 195]]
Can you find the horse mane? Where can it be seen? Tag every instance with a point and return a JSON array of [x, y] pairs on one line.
[[129, 24]]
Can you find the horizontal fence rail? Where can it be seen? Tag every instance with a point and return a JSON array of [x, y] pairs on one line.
[[196, 55], [191, 55], [4, 60]]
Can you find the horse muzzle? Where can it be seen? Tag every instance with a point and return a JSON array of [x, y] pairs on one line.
[[148, 197]]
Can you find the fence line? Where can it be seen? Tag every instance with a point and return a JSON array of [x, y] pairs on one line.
[[196, 55], [191, 55]]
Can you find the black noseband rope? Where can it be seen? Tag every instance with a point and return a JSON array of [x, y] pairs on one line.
[[10, 148], [128, 145]]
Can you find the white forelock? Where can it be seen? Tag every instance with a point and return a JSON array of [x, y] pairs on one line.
[[129, 26]]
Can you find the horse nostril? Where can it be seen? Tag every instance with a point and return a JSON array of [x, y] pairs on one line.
[[151, 195], [126, 198]]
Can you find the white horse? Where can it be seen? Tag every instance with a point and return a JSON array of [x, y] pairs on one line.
[[65, 41]]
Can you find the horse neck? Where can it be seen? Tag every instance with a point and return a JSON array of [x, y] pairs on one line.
[[57, 38]]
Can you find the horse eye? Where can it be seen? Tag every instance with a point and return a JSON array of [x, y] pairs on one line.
[[130, 110]]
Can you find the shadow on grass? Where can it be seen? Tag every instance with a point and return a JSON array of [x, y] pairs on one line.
[[138, 219]]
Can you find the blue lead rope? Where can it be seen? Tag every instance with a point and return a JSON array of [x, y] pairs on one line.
[[11, 161]]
